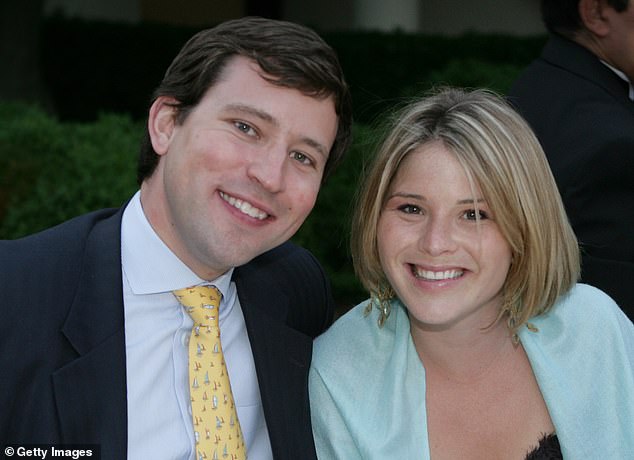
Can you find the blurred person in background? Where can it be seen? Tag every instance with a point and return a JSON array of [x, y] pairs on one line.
[[577, 96]]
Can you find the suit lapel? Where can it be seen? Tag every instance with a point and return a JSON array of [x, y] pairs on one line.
[[564, 53], [91, 391], [282, 357]]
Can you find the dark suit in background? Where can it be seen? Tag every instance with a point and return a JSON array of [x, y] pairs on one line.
[[581, 113], [63, 368]]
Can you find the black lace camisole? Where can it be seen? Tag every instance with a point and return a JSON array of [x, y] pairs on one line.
[[548, 449]]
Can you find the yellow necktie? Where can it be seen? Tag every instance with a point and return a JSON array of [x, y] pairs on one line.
[[216, 426]]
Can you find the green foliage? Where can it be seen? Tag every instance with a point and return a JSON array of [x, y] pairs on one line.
[[469, 73], [27, 136], [65, 169], [380, 65]]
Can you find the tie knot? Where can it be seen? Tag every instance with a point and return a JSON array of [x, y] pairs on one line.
[[201, 303]]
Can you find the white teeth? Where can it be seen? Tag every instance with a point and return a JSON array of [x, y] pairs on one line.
[[437, 276], [244, 207]]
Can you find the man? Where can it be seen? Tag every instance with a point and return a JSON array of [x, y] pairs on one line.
[[248, 120], [578, 98]]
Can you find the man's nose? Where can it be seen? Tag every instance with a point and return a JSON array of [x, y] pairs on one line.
[[269, 168]]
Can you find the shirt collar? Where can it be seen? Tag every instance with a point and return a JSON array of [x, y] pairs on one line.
[[623, 77], [149, 265]]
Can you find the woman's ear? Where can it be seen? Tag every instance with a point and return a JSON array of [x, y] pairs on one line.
[[593, 17], [161, 123]]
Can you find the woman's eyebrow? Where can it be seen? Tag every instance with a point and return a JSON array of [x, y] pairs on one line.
[[471, 201]]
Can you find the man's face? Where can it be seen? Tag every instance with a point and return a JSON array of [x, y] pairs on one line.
[[241, 173], [618, 44]]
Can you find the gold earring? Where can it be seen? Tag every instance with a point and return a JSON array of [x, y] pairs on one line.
[[513, 313], [381, 299]]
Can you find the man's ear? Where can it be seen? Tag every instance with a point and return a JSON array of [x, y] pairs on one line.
[[593, 17], [161, 123]]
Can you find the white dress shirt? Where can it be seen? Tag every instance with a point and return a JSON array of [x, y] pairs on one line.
[[157, 331], [623, 77]]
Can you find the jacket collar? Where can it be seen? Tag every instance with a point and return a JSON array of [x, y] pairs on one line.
[[91, 391], [571, 56], [282, 356]]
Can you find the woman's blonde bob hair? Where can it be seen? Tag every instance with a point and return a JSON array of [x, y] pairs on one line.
[[502, 156]]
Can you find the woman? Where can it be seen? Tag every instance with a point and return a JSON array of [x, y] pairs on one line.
[[476, 341]]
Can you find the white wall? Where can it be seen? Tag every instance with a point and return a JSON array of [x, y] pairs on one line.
[[453, 17], [448, 17], [387, 15]]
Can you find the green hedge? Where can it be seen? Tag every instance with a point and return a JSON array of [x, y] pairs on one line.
[[52, 171], [380, 66]]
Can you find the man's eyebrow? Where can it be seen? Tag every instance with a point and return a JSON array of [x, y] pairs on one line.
[[267, 117], [321, 149], [248, 109]]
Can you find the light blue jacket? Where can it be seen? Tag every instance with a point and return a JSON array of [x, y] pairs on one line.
[[367, 384]]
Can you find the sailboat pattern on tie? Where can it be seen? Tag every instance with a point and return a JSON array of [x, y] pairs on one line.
[[217, 429]]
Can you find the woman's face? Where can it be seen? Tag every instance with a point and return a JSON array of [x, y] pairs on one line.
[[445, 266]]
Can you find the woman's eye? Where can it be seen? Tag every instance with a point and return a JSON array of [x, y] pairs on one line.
[[302, 158], [409, 209], [472, 214]]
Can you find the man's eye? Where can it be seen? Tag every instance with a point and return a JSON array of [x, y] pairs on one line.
[[302, 158], [245, 128], [409, 209]]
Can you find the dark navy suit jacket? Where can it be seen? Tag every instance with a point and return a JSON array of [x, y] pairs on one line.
[[62, 340], [584, 120]]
